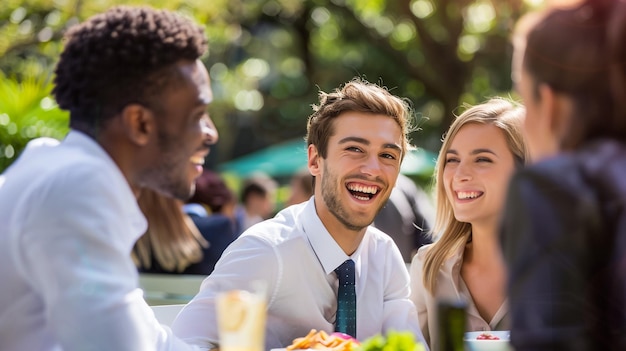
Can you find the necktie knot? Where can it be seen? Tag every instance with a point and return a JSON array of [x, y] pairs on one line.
[[345, 273], [346, 299]]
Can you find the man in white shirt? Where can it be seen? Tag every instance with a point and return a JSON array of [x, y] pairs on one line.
[[357, 137], [137, 96]]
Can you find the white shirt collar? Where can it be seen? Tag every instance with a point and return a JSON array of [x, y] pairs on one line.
[[329, 253]]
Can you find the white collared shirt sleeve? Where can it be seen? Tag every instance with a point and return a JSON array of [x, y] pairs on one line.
[[69, 237], [247, 262], [82, 270]]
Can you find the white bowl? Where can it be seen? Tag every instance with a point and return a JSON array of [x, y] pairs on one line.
[[503, 344]]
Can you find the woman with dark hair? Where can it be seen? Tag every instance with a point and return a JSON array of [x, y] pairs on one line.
[[564, 231]]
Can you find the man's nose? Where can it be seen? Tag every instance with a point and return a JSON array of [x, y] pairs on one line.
[[372, 166], [208, 129]]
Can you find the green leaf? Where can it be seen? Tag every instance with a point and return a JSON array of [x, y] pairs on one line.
[[393, 341], [27, 111]]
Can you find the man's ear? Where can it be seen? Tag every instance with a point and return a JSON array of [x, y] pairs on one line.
[[138, 123], [314, 160]]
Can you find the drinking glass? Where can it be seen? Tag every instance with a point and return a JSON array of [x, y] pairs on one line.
[[241, 316]]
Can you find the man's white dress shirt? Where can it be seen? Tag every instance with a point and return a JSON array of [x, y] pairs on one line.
[[295, 256], [68, 221]]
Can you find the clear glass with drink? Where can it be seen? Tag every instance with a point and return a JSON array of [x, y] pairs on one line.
[[241, 317]]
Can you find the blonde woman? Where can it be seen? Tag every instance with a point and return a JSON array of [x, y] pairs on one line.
[[480, 151], [172, 243]]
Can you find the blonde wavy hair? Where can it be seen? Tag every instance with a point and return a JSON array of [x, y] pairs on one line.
[[172, 238], [448, 234]]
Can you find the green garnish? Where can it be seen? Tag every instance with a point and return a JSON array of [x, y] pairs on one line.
[[393, 341]]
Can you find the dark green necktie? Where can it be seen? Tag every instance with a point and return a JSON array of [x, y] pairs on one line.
[[346, 299]]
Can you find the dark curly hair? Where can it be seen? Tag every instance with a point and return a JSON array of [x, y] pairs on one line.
[[125, 55]]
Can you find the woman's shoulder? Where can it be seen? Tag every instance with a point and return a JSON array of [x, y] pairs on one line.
[[574, 177], [603, 165], [558, 177], [599, 159], [420, 256], [421, 252]]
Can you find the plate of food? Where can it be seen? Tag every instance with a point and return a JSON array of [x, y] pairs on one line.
[[495, 340], [321, 340]]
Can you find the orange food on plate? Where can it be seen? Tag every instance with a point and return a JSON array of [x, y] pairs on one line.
[[320, 340]]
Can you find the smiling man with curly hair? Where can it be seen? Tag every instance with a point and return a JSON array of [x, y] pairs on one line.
[[137, 94]]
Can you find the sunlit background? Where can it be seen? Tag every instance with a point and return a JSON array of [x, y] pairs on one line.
[[268, 60]]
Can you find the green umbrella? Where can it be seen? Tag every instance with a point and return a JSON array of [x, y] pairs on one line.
[[419, 162], [287, 158]]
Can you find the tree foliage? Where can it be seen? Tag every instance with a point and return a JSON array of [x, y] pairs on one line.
[[269, 58], [27, 112]]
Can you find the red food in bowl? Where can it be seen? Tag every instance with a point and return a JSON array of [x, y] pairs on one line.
[[487, 336]]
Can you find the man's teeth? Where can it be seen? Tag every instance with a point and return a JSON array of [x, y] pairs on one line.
[[468, 194], [362, 192], [198, 160], [363, 189]]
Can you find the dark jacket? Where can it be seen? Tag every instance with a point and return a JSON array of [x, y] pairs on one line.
[[564, 241], [405, 217], [218, 230]]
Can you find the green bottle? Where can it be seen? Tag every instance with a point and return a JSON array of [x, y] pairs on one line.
[[451, 317]]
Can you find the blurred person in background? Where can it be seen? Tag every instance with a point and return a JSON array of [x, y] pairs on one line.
[[137, 94], [564, 231], [300, 187], [211, 196], [480, 151], [172, 243], [180, 243], [357, 138], [407, 217], [219, 226], [257, 200]]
